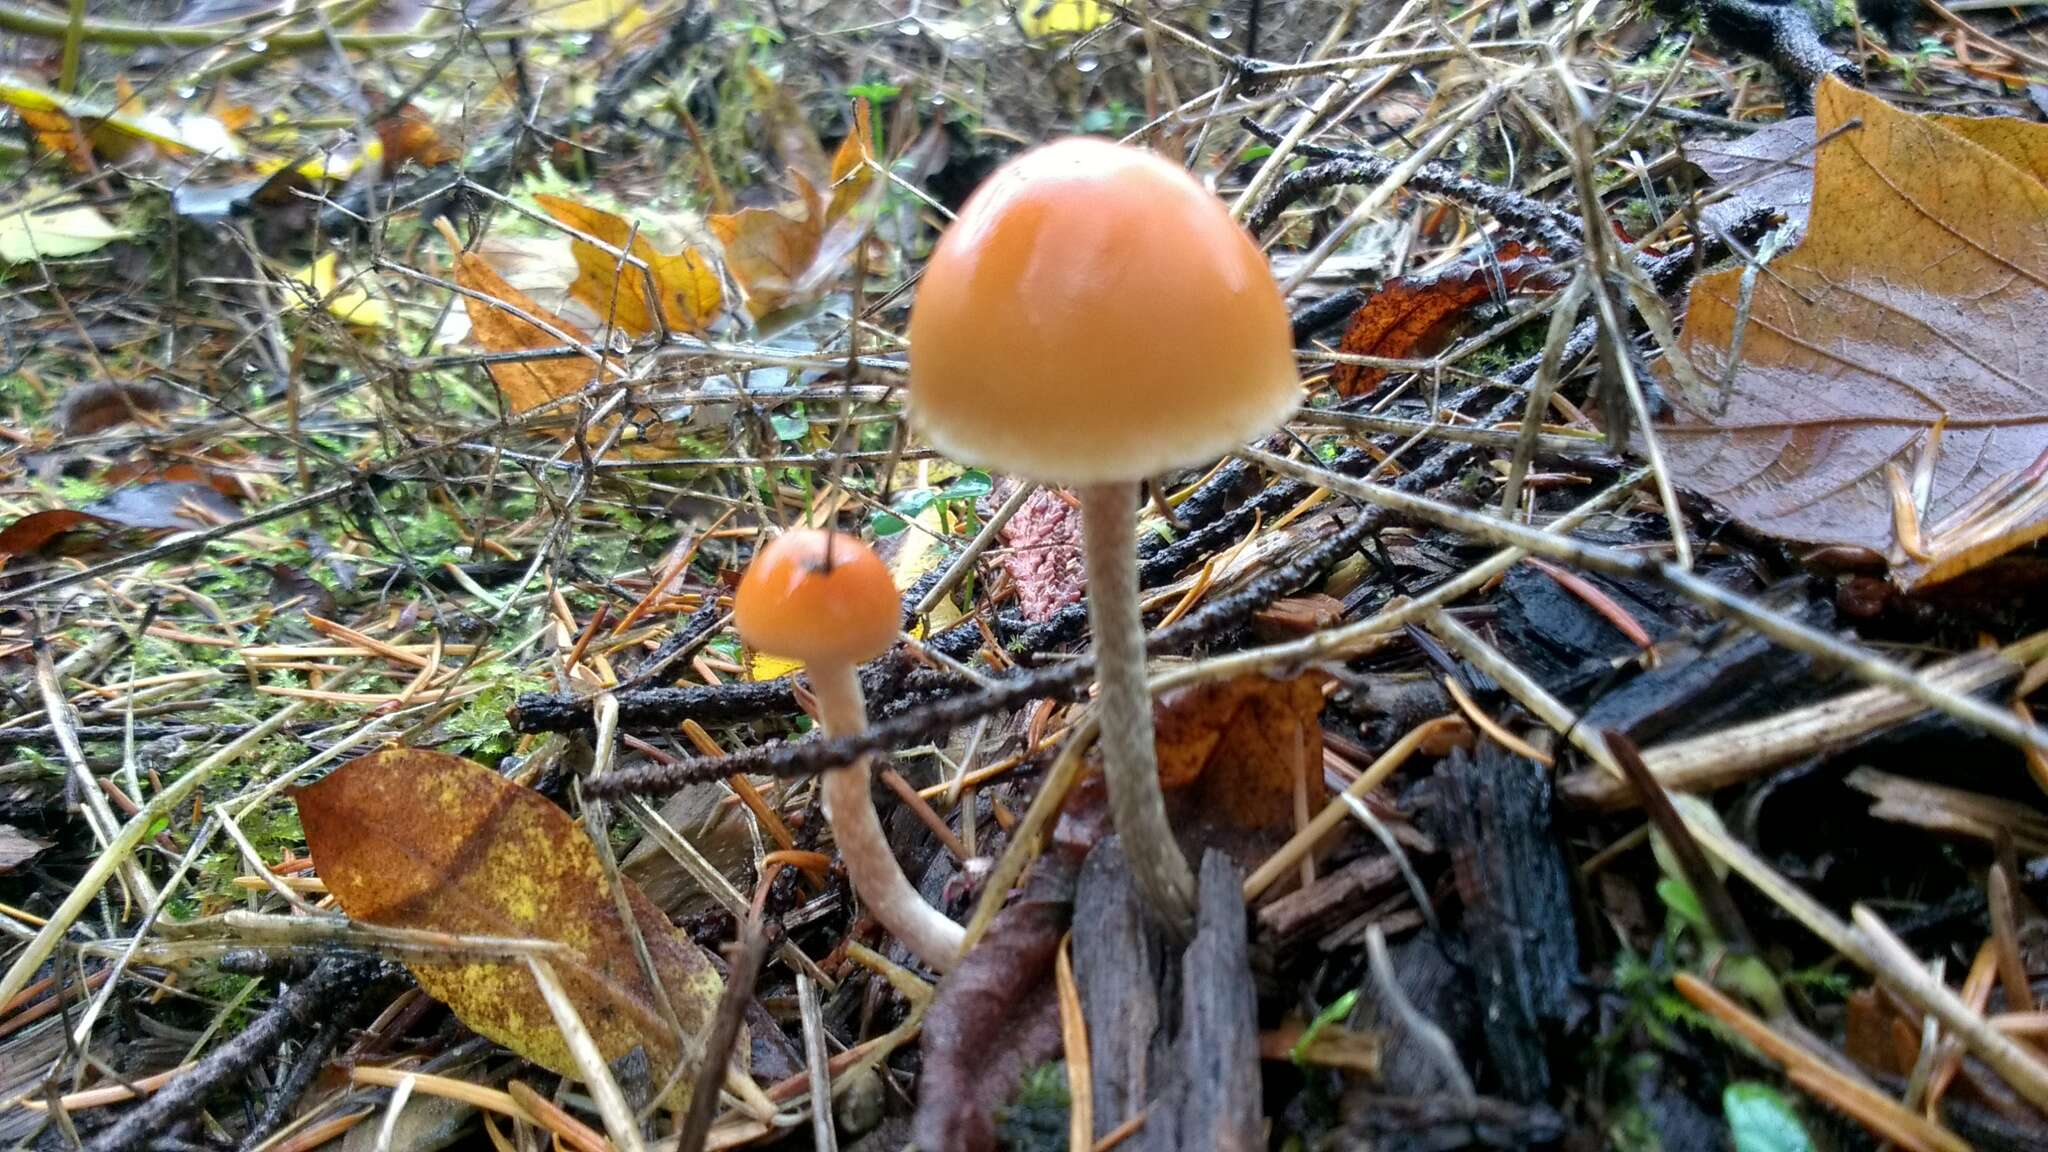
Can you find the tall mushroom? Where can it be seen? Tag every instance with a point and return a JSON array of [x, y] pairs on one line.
[[1094, 317], [826, 599]]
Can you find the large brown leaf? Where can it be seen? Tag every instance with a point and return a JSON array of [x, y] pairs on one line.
[[407, 838], [1911, 313], [1240, 747], [501, 319]]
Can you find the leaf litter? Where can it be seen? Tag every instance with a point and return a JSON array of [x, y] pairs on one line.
[[275, 532]]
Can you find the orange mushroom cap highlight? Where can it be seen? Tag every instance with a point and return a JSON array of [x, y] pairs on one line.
[[818, 596], [1095, 316]]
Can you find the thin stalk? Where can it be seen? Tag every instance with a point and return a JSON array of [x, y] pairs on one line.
[[1129, 763], [849, 805]]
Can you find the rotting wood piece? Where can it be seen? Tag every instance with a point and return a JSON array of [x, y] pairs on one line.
[[1494, 816], [1120, 967]]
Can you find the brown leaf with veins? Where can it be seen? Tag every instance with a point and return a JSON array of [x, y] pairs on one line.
[[1904, 332], [1772, 167], [407, 838], [1415, 316], [1238, 747]]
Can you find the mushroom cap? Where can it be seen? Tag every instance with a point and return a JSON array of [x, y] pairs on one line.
[[1095, 316], [819, 597]]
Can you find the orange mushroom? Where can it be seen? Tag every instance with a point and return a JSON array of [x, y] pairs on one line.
[[1092, 318], [826, 599]]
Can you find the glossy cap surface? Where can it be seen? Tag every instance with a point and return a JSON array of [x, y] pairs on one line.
[[819, 597], [1096, 316]]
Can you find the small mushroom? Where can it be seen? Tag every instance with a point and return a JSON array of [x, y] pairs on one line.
[[1094, 317], [826, 599]]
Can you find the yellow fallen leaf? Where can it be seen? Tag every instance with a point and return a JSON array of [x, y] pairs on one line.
[[761, 666], [61, 121], [923, 551], [1050, 19], [687, 282], [352, 303], [407, 838], [74, 231], [585, 15]]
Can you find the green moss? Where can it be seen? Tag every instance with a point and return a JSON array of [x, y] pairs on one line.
[[1035, 1119]]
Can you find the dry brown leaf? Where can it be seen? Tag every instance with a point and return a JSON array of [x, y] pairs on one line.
[[1238, 747], [1414, 316], [851, 175], [1772, 167], [526, 383], [770, 249], [687, 282], [18, 848], [789, 253], [407, 838], [97, 405], [42, 531], [1902, 332], [407, 135]]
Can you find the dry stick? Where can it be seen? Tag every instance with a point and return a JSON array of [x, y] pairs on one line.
[[1360, 636], [1276, 162], [714, 882], [1024, 839], [818, 1063], [170, 800], [619, 1122], [1386, 189], [296, 1007], [1079, 1060], [1124, 706], [725, 1032], [1719, 601], [1872, 947], [1873, 1109], [175, 545], [1562, 320], [1895, 964], [1736, 753], [98, 813], [1301, 843]]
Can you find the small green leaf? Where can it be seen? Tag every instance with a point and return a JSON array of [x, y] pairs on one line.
[[1761, 1120], [972, 484], [789, 427], [874, 91], [1679, 897], [887, 523], [909, 504]]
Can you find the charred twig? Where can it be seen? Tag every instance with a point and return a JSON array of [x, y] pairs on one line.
[[1555, 229], [296, 1081], [335, 983], [725, 1032], [1784, 34]]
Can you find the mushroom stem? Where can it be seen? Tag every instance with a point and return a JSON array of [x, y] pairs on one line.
[[849, 805], [1129, 762]]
